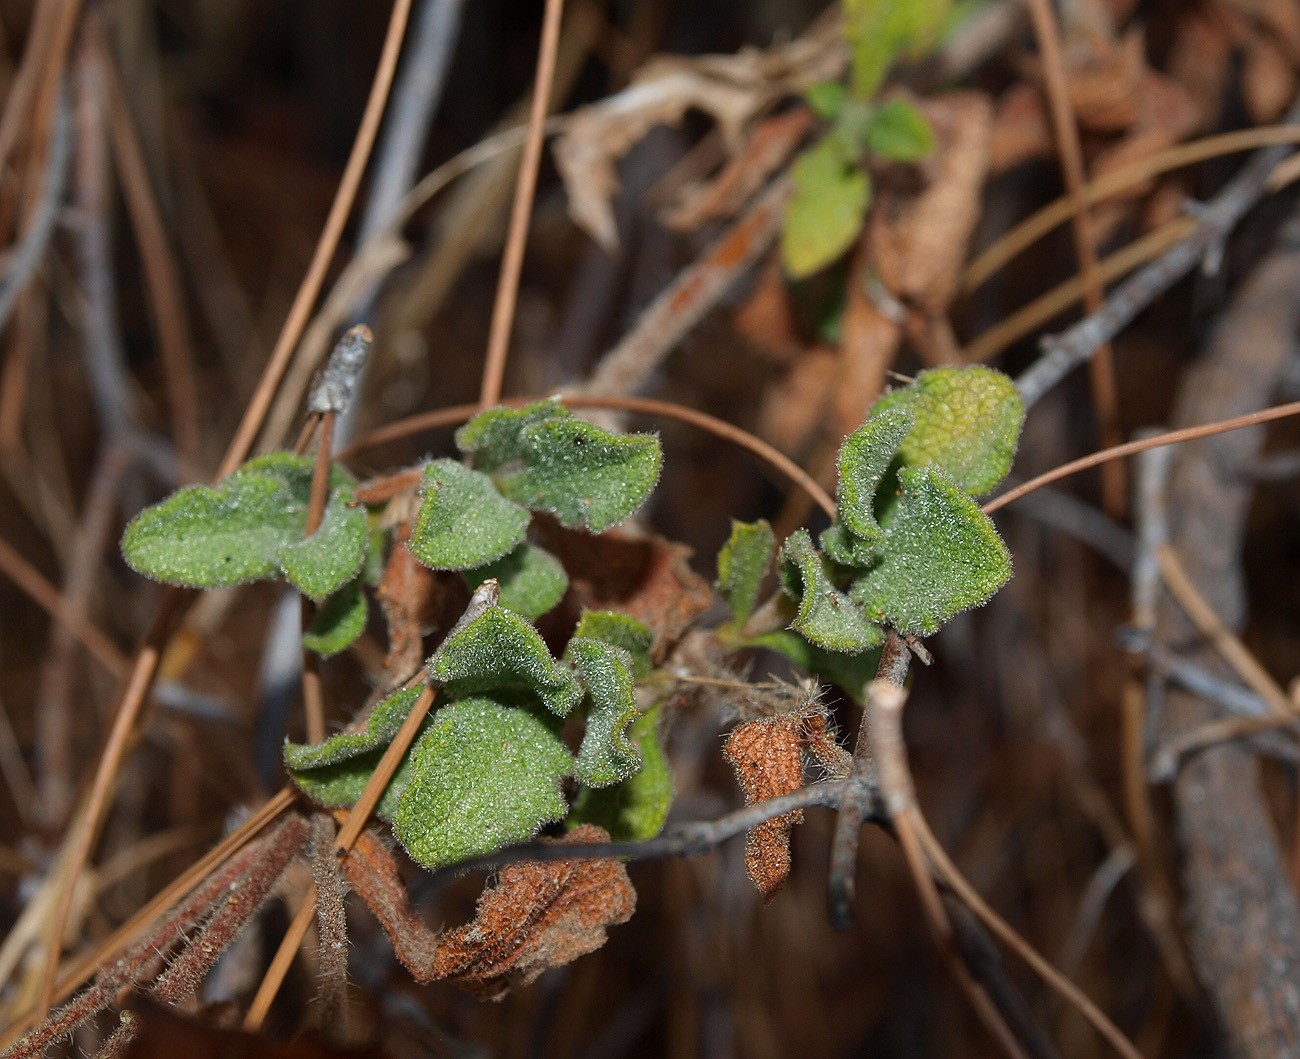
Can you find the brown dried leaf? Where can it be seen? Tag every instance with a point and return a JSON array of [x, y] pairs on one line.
[[732, 89], [919, 244], [768, 762], [818, 735], [724, 196], [643, 575], [537, 916], [1268, 80], [1020, 128], [868, 340], [766, 317], [794, 407], [409, 596]]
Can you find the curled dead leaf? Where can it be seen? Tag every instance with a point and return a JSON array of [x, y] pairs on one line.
[[919, 241], [768, 762], [536, 916], [731, 89]]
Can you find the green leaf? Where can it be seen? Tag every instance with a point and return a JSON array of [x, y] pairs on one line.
[[544, 458], [634, 810], [531, 578], [825, 98], [826, 617], [864, 458], [332, 556], [851, 672], [588, 478], [483, 776], [742, 562], [372, 568], [606, 756], [942, 556], [877, 31], [238, 531], [337, 622], [826, 210], [500, 651], [967, 423], [335, 772], [619, 630], [496, 437], [463, 521], [900, 132]]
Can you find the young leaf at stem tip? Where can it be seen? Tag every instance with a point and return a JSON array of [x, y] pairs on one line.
[[900, 132], [605, 756]]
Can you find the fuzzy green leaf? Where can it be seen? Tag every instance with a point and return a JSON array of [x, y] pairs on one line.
[[942, 556], [826, 616], [321, 564], [967, 423], [531, 578], [588, 478], [900, 132], [337, 622], [543, 457], [483, 776], [864, 458], [463, 522], [372, 568], [496, 437], [335, 772], [634, 810], [606, 756], [619, 630], [238, 531], [500, 651], [851, 672], [826, 210], [742, 562]]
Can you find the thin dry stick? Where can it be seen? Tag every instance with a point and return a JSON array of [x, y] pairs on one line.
[[47, 596], [300, 311], [1066, 128], [163, 277], [691, 294], [1028, 318], [1204, 247], [1111, 183], [1166, 761], [105, 952], [313, 694], [503, 309], [146, 661], [950, 875], [87, 828], [1171, 437], [1212, 627], [648, 406], [280, 963], [378, 781], [884, 702]]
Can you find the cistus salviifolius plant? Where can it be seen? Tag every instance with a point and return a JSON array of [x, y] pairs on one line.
[[520, 737]]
